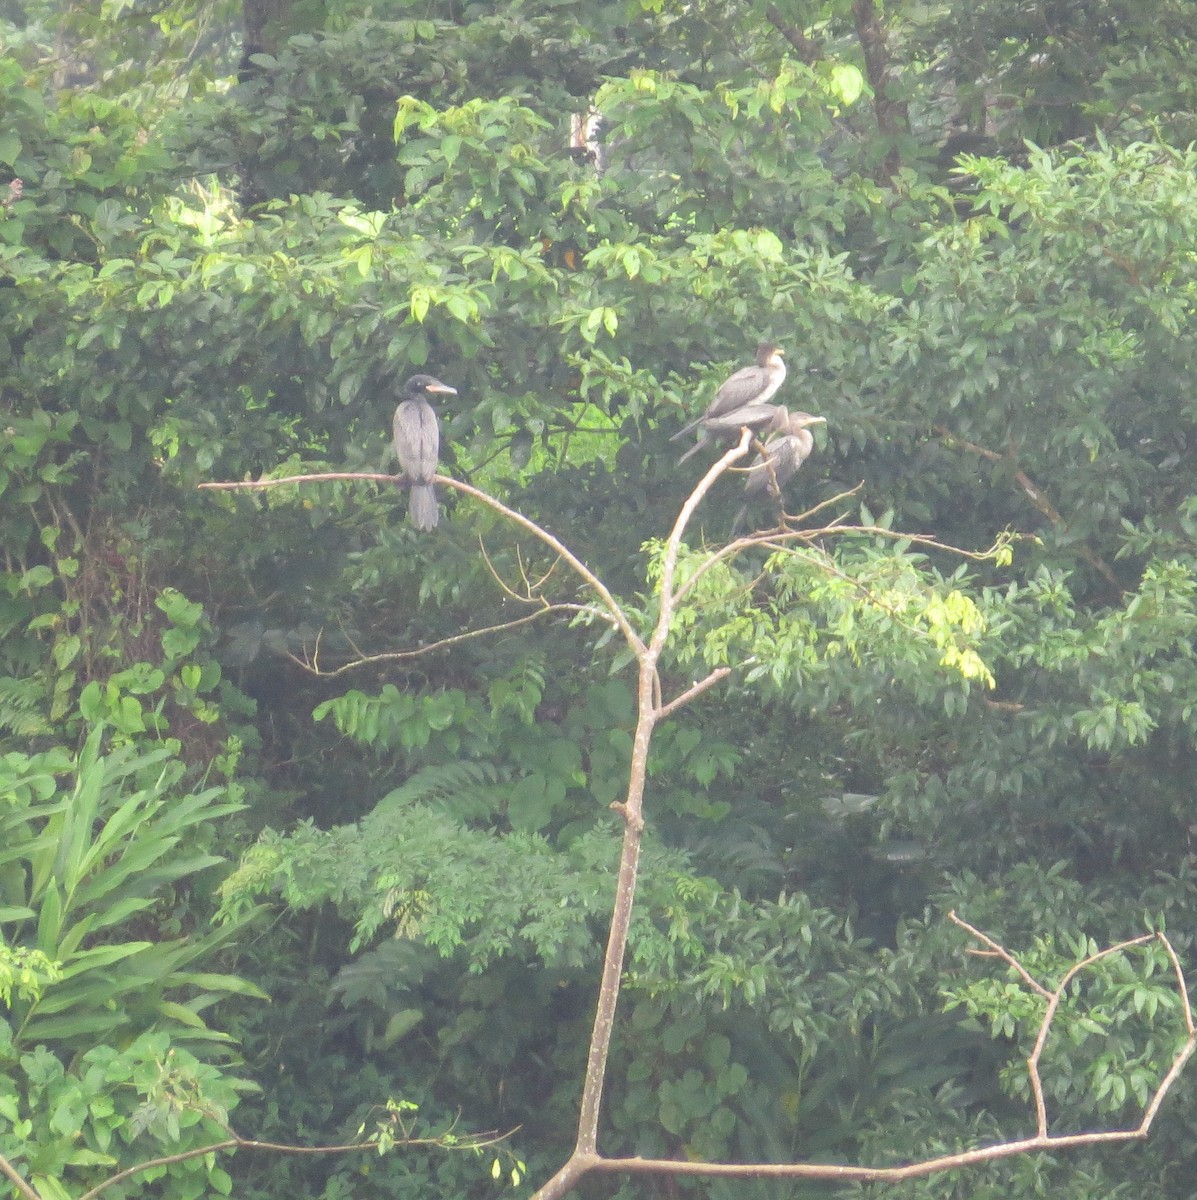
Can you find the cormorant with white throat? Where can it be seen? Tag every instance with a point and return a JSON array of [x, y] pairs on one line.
[[785, 451], [743, 398]]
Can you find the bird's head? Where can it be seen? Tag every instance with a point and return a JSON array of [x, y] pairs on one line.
[[425, 385], [768, 354], [800, 420]]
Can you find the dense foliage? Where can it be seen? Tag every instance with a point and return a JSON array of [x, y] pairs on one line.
[[971, 226]]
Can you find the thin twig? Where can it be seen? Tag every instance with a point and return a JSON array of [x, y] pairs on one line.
[[236, 1142], [831, 500], [494, 574], [1049, 1016], [367, 660], [635, 643], [1003, 954], [1036, 495], [783, 541], [1180, 983]]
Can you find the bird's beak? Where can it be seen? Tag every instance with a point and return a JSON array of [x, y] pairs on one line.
[[440, 389]]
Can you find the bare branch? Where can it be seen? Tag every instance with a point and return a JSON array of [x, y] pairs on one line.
[[674, 542], [837, 1171], [164, 1161], [1180, 984], [635, 643], [648, 698], [323, 477], [368, 660], [784, 539], [999, 952], [1036, 495], [235, 1142], [694, 690], [1049, 1016], [15, 1178], [1042, 1140], [1054, 998], [633, 639]]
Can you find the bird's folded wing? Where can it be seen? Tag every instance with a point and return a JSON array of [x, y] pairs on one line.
[[752, 415]]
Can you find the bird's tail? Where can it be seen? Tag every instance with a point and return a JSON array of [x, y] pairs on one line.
[[685, 429], [739, 523], [422, 509], [692, 451]]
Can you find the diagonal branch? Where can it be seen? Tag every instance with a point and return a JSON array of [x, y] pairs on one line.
[[14, 1177], [673, 545], [609, 602], [809, 51], [696, 689], [1041, 1141], [997, 951], [1036, 495]]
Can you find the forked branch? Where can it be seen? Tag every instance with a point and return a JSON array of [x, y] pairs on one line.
[[1041, 1140]]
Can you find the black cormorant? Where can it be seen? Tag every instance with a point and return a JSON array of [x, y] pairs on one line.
[[417, 443]]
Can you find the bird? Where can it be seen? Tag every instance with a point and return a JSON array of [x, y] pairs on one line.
[[417, 443], [746, 393], [785, 451], [760, 418]]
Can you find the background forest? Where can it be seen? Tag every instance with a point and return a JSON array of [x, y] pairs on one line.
[[241, 884]]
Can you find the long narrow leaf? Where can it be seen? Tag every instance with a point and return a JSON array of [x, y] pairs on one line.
[[225, 984], [135, 810], [76, 826], [49, 922], [101, 956], [122, 910], [136, 862], [71, 937]]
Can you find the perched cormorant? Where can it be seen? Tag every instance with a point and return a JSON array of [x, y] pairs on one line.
[[785, 451], [745, 394], [417, 443]]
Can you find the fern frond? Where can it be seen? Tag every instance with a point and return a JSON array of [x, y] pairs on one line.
[[22, 707], [462, 788]]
